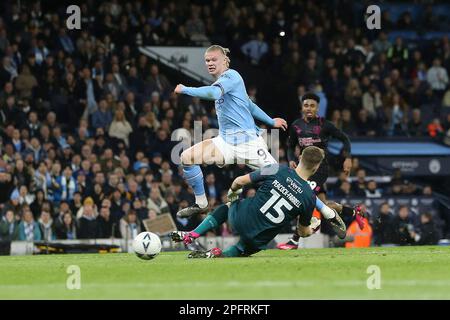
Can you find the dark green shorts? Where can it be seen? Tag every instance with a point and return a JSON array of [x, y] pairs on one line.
[[240, 224]]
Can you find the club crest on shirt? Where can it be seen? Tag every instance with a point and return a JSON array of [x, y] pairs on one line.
[[316, 129]]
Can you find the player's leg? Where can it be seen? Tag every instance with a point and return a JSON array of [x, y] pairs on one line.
[[356, 213], [255, 154], [212, 221], [317, 184], [238, 250], [233, 251], [204, 152]]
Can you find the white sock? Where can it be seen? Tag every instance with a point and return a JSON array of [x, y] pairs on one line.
[[201, 200], [327, 212]]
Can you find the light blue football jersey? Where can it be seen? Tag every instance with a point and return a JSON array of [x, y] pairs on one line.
[[236, 123]]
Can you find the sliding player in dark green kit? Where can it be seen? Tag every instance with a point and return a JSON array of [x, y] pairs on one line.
[[284, 195]]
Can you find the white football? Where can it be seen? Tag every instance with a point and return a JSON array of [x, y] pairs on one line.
[[147, 245]]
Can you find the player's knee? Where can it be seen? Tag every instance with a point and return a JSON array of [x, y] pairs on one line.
[[334, 205], [186, 157]]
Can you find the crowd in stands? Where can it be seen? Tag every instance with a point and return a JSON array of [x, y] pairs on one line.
[[86, 120]]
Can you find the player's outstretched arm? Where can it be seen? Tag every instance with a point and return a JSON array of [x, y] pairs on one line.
[[236, 187], [260, 115], [206, 92]]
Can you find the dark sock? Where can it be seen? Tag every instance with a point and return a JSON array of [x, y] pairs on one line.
[[213, 220], [207, 224], [220, 214], [347, 211], [295, 237], [232, 251]]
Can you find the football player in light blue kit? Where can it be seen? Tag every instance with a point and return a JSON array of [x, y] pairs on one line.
[[239, 139]]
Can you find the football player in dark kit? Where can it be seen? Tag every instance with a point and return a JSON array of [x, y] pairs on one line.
[[283, 195], [312, 130]]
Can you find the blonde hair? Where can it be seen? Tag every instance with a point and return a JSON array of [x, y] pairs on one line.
[[312, 156], [225, 52]]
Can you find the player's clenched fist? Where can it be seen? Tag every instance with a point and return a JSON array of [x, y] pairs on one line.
[[179, 88]]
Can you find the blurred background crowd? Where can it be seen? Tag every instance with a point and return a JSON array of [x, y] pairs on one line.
[[86, 119]]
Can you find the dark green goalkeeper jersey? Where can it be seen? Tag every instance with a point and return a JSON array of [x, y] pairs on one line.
[[282, 197]]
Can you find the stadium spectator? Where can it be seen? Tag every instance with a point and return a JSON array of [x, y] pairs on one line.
[[437, 78], [212, 188], [120, 128], [404, 227], [255, 49], [68, 228], [102, 118], [344, 189], [371, 101], [359, 185], [435, 129], [398, 54], [130, 225], [372, 191], [106, 227], [347, 123], [156, 202], [427, 233], [416, 127], [25, 83], [365, 126], [87, 223], [383, 226], [158, 82], [29, 229], [47, 226], [9, 226]]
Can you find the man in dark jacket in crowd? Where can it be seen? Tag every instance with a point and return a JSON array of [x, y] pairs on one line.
[[383, 226], [404, 227], [427, 233]]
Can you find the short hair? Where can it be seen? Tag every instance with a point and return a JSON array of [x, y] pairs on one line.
[[225, 51], [428, 215], [310, 95], [312, 156]]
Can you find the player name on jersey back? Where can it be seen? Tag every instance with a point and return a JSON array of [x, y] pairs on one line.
[[285, 192]]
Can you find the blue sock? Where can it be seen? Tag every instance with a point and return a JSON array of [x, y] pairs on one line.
[[194, 177]]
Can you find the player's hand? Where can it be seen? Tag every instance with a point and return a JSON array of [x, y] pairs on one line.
[[234, 195], [179, 88], [280, 123], [315, 224], [292, 164], [347, 166]]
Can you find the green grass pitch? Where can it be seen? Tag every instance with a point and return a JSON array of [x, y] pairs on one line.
[[406, 273]]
